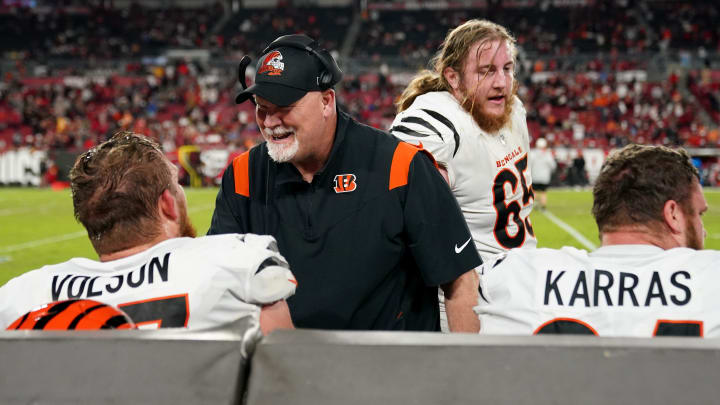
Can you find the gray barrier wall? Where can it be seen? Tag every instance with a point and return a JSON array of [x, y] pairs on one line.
[[317, 368], [126, 367], [323, 367]]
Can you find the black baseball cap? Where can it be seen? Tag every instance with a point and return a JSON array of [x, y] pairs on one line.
[[283, 76]]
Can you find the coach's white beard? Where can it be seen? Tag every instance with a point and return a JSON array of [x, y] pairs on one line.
[[281, 152]]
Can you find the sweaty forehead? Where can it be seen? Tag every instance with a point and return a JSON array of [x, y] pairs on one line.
[[490, 52]]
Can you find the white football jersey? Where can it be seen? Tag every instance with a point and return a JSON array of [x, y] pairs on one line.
[[619, 290], [181, 282], [488, 174]]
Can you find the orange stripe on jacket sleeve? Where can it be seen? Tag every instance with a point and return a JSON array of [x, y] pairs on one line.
[[241, 171], [400, 166]]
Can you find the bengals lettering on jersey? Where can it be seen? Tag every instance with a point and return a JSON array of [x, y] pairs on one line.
[[488, 174]]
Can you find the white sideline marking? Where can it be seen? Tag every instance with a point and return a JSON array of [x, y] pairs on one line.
[[569, 229], [67, 236], [13, 211], [40, 242]]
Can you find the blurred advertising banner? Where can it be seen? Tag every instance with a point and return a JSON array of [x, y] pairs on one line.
[[63, 161], [22, 167], [204, 167], [32, 167], [199, 168]]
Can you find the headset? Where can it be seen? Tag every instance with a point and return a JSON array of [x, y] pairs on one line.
[[329, 76], [244, 62]]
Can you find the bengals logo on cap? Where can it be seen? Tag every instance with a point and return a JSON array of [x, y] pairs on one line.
[[272, 64]]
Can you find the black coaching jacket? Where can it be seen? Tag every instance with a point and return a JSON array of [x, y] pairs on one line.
[[368, 240]]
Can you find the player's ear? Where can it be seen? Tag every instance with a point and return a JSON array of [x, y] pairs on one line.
[[328, 102], [673, 216], [167, 205], [453, 78]]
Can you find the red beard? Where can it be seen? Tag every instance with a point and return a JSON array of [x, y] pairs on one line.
[[487, 122]]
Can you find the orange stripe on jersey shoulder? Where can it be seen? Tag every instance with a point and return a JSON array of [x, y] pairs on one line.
[[400, 166], [241, 171]]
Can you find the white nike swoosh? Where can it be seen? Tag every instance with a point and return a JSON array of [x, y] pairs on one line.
[[460, 249]]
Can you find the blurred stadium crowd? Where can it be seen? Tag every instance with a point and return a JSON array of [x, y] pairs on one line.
[[593, 74]]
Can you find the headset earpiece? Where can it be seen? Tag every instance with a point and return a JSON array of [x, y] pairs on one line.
[[242, 67], [326, 78]]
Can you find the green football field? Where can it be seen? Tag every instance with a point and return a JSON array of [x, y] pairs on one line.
[[37, 226]]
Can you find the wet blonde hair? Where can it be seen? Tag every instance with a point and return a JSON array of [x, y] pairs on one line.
[[452, 54], [115, 189]]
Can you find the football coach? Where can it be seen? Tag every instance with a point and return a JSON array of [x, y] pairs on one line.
[[367, 223]]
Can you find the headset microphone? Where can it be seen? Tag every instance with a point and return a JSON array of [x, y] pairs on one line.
[[242, 67]]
